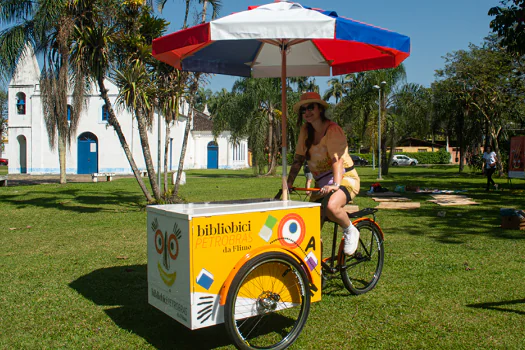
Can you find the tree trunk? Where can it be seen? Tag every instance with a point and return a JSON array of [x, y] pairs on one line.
[[204, 6], [183, 152], [166, 149], [366, 116], [460, 126], [494, 133], [113, 121], [186, 12], [62, 158], [275, 152], [272, 147], [141, 124], [384, 163]]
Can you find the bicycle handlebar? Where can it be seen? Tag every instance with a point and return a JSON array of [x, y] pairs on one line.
[[313, 189], [280, 192]]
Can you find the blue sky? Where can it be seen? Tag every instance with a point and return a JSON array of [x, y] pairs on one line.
[[435, 28]]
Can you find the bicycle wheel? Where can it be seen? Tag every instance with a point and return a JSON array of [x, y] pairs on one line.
[[362, 270], [268, 303]]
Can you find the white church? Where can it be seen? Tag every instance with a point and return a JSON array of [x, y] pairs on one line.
[[96, 148]]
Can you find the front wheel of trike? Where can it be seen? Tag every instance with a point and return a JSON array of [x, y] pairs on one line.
[[361, 271], [268, 302]]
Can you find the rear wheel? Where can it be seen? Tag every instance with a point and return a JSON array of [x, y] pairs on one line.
[[268, 303], [362, 270], [394, 164]]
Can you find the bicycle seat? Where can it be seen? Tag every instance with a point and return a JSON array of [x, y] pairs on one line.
[[362, 212]]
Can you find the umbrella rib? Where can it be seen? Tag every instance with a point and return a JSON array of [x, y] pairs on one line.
[[296, 41], [257, 54], [200, 47], [327, 61], [271, 42]]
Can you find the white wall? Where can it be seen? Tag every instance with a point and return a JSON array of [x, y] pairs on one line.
[[42, 159]]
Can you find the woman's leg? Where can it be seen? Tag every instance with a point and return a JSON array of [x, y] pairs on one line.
[[490, 181], [335, 209], [335, 212]]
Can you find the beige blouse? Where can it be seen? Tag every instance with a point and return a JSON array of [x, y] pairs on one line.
[[333, 145]]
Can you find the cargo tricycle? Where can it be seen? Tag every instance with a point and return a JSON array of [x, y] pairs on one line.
[[253, 265]]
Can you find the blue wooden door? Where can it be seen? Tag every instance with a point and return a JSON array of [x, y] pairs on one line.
[[87, 154], [213, 155]]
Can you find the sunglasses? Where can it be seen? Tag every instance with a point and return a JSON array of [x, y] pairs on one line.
[[310, 108]]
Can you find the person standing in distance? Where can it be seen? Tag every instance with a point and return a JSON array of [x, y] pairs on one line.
[[490, 159]]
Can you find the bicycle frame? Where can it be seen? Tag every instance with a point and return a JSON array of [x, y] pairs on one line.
[[337, 261]]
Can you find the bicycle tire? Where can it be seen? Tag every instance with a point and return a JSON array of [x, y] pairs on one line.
[[268, 303], [362, 270]]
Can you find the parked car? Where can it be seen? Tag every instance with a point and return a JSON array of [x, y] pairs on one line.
[[4, 161], [401, 159], [358, 160]]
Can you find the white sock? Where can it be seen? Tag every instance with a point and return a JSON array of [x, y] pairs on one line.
[[347, 230]]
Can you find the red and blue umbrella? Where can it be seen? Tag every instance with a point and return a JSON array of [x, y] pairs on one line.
[[282, 39]]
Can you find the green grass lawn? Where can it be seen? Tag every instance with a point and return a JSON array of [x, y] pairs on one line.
[[73, 269]]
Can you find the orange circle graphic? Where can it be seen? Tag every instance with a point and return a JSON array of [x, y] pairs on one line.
[[173, 255], [158, 234], [291, 225]]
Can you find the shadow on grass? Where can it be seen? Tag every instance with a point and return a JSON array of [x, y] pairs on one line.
[[455, 224], [76, 200], [500, 306], [458, 225], [124, 291]]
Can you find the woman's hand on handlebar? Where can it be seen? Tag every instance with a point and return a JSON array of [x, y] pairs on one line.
[[328, 189]]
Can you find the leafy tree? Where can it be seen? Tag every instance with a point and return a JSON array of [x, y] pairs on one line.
[[509, 24], [253, 110], [355, 111], [48, 26], [483, 79], [408, 115], [357, 108]]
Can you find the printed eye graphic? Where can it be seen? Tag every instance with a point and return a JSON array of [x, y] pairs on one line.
[[159, 241], [291, 230], [173, 246]]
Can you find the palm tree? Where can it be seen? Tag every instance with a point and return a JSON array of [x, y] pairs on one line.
[[169, 83], [409, 114], [336, 90], [93, 51], [135, 75], [216, 6], [193, 86], [253, 109], [49, 26]]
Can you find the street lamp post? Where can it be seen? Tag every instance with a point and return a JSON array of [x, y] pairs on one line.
[[383, 83]]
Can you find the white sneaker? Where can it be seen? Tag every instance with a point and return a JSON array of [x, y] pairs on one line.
[[351, 240]]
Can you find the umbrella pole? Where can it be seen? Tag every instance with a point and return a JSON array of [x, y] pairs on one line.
[[283, 120]]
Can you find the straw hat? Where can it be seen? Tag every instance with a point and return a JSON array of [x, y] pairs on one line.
[[307, 98]]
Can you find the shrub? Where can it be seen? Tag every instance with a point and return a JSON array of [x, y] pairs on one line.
[[439, 157]]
